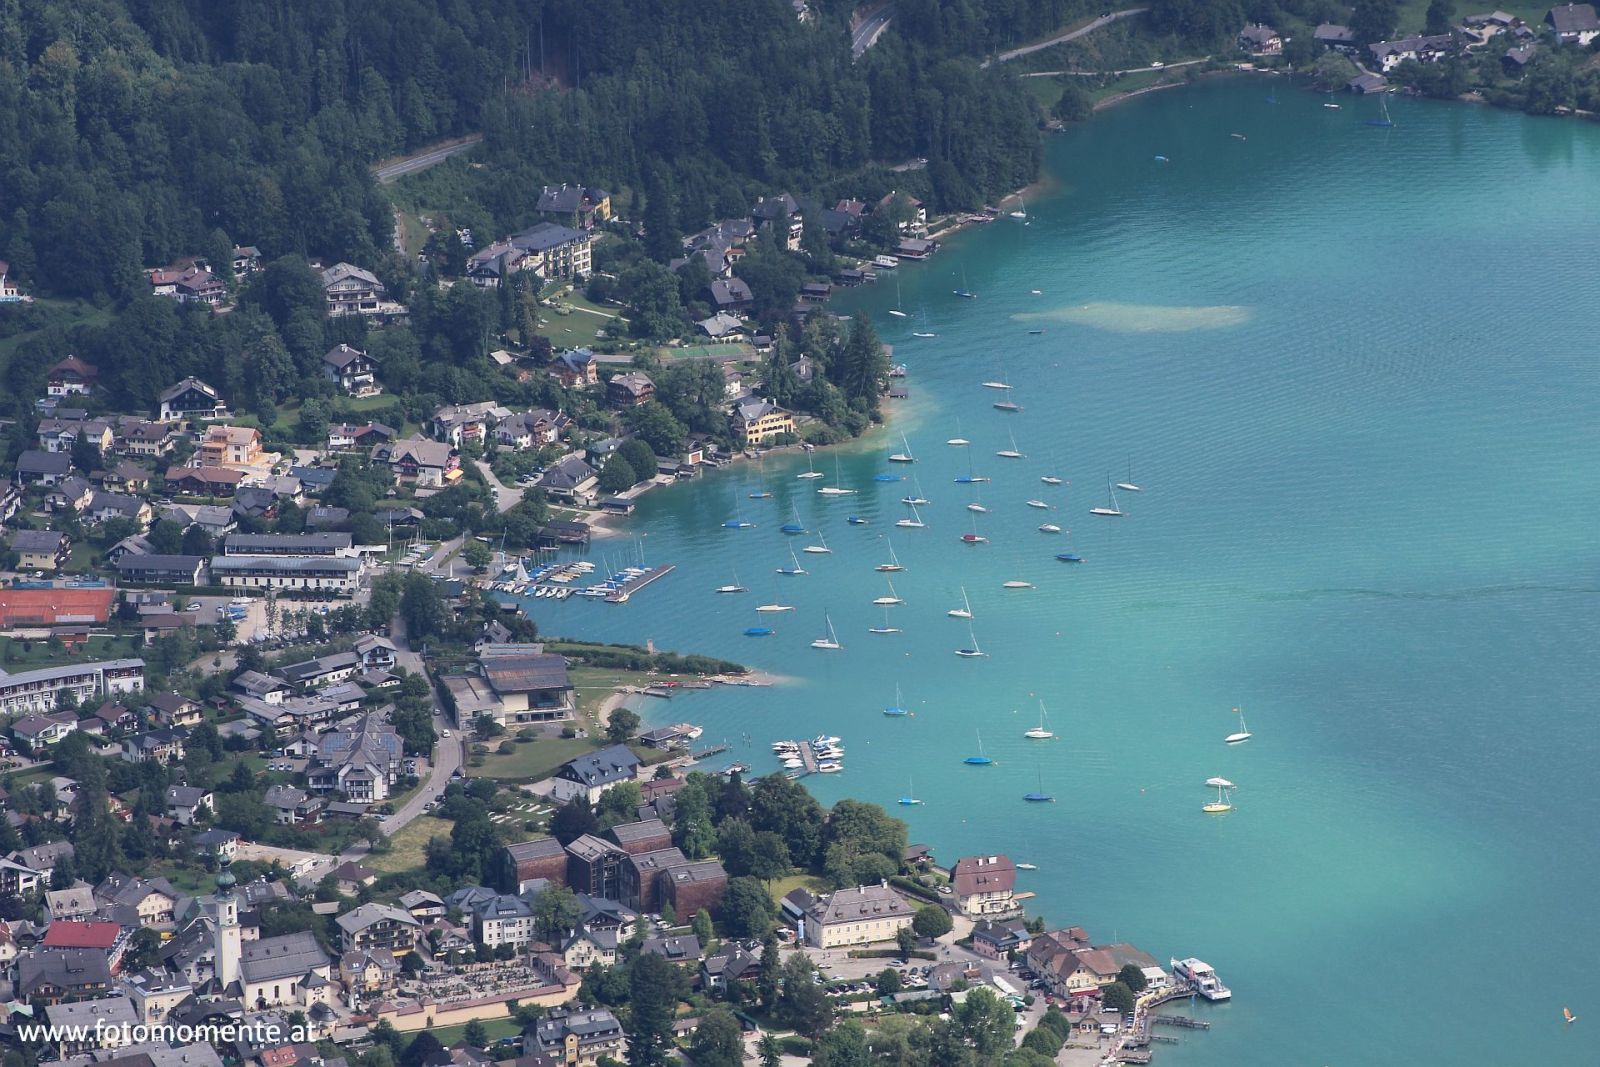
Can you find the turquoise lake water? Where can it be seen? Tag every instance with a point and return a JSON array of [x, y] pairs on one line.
[[1354, 372]]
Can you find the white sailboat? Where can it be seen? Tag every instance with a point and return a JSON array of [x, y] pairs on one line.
[[733, 588], [1129, 485], [810, 471], [906, 456], [821, 548], [916, 499], [1242, 734], [835, 490], [894, 561], [1016, 583], [914, 522], [1040, 732], [1111, 509], [965, 610], [1011, 453], [891, 598], [1040, 504], [831, 641], [896, 310], [1022, 209], [795, 570], [958, 440], [775, 606], [885, 628], [910, 799], [974, 652], [1049, 528]]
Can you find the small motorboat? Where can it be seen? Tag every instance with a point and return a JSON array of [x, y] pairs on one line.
[[1040, 504], [1016, 583], [759, 631], [1069, 557], [1049, 527], [974, 539], [856, 520]]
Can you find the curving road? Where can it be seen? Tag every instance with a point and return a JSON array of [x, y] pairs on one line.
[[866, 35], [399, 168], [1104, 20]]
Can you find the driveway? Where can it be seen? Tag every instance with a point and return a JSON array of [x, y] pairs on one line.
[[1103, 20], [505, 497], [448, 752]]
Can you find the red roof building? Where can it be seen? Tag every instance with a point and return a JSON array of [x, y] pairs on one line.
[[102, 936]]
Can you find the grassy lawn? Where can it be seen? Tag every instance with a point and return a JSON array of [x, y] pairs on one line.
[[575, 321], [533, 760], [495, 1028], [18, 654], [592, 685], [192, 880], [1128, 83], [784, 886], [408, 847]]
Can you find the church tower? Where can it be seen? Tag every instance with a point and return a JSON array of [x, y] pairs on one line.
[[229, 939]]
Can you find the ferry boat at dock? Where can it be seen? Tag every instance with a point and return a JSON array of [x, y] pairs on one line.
[[1202, 978]]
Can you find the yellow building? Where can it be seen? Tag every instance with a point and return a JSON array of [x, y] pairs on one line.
[[859, 916], [758, 421]]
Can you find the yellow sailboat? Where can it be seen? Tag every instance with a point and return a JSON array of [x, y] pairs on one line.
[[1221, 804]]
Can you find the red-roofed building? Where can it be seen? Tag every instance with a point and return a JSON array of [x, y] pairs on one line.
[[54, 607], [985, 885], [98, 935]]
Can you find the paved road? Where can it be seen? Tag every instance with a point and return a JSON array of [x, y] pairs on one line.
[[399, 168], [505, 497], [1103, 20], [867, 34], [1114, 73]]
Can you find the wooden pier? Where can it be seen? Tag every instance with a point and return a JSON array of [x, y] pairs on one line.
[[808, 758], [633, 585], [707, 753], [1182, 1021]]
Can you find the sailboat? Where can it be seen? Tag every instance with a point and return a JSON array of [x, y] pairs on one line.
[[831, 641], [1007, 405], [1022, 210], [916, 499], [964, 611], [1040, 504], [735, 587], [974, 652], [1330, 105], [1004, 382], [906, 456], [980, 760], [910, 799], [820, 549], [1040, 732], [892, 598], [856, 520], [761, 495], [958, 440], [834, 490], [1039, 796], [896, 711], [894, 561], [1016, 583], [1011, 453], [896, 311], [915, 522], [1068, 556], [810, 471], [796, 569], [1385, 120], [885, 628], [1221, 804], [1128, 485], [963, 292], [1240, 736], [738, 523], [970, 478], [1049, 528], [1110, 509], [775, 606], [795, 526], [974, 538]]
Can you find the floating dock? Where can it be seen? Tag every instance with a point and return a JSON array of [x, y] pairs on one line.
[[621, 594]]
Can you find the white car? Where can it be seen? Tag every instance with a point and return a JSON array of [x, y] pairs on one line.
[[444, 733]]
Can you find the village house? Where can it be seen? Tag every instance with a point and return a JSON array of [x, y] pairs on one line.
[[190, 399], [38, 467], [141, 437], [1574, 24], [1390, 54], [575, 1037], [756, 421], [10, 292], [188, 804], [629, 390], [246, 260], [71, 377], [40, 550], [62, 434], [569, 479], [463, 424], [782, 215], [352, 291], [996, 939], [430, 464], [352, 370], [342, 437], [1335, 38], [722, 326], [592, 774], [363, 762], [339, 574], [731, 295], [36, 732], [531, 429], [1260, 40], [155, 568], [175, 709], [859, 916], [229, 446], [378, 926], [576, 368], [915, 211], [546, 249], [984, 885], [574, 205], [291, 806]]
